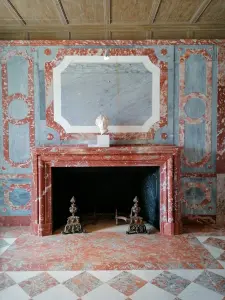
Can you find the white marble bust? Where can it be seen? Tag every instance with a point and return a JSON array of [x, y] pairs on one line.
[[102, 122]]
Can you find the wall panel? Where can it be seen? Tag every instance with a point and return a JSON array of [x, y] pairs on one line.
[[188, 114]]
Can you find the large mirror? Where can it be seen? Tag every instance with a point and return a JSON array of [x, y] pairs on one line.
[[124, 88]]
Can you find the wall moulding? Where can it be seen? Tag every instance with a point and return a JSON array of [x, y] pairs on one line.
[[166, 157], [147, 57], [104, 67]]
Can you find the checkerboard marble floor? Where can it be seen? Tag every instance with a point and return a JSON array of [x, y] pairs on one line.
[[112, 283]]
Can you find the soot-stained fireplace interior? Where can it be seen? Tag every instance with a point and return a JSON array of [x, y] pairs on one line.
[[99, 191]]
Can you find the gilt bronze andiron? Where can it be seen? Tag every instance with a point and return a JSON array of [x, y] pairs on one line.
[[136, 222], [73, 222]]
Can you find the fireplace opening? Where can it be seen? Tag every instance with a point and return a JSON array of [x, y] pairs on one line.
[[100, 191]]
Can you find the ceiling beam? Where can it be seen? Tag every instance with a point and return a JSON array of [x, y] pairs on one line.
[[107, 5], [61, 12], [200, 10], [154, 10], [14, 12], [112, 27]]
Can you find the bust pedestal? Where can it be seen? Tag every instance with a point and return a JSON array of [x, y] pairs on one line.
[[102, 141]]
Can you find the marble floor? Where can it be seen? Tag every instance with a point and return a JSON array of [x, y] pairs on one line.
[[111, 265]]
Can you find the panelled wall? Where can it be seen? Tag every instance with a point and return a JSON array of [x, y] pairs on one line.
[[192, 115]]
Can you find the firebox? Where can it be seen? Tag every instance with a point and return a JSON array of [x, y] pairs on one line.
[[101, 191]]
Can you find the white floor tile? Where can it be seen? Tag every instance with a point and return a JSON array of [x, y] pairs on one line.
[[58, 292], [105, 276], [62, 276], [196, 292], [187, 274], [220, 272], [215, 252], [104, 292], [150, 291], [13, 293], [19, 276], [202, 239], [147, 275], [222, 263], [10, 240], [3, 249], [220, 237]]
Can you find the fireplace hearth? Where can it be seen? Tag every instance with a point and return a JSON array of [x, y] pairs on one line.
[[54, 166]]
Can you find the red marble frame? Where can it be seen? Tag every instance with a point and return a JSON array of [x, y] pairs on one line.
[[165, 156], [150, 52]]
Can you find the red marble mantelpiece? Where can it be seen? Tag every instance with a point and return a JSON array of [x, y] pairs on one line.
[[166, 157]]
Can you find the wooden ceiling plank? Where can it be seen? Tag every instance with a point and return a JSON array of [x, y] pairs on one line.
[[107, 6], [200, 11], [154, 10], [61, 12], [14, 12]]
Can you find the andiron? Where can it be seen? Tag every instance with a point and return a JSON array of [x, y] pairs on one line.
[[73, 222], [136, 222]]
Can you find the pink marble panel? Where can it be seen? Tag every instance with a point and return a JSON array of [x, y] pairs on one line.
[[15, 220], [220, 167], [220, 216]]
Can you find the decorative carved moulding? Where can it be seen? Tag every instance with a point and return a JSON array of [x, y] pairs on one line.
[[167, 158]]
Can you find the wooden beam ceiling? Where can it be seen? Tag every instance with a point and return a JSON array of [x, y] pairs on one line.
[[200, 11], [107, 4], [113, 19], [61, 12], [15, 14], [154, 10]]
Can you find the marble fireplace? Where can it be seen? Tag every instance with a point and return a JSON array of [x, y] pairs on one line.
[[166, 157]]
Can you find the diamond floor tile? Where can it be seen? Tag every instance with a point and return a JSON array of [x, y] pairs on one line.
[[151, 292], [10, 241], [127, 283], [21, 276], [104, 292], [58, 292], [196, 292], [62, 276], [219, 272], [187, 274], [3, 243], [14, 293], [171, 283], [215, 242], [5, 281], [105, 276], [82, 284], [212, 281], [38, 284], [222, 256], [214, 251], [147, 275], [3, 249]]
